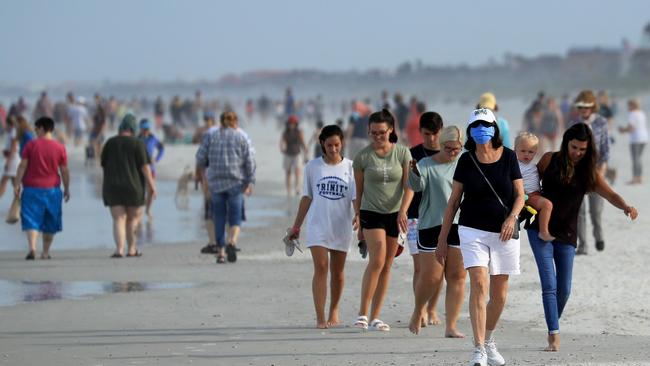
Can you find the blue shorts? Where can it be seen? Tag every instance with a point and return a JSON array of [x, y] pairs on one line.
[[40, 209]]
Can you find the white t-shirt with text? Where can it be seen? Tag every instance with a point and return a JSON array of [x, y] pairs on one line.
[[332, 190]]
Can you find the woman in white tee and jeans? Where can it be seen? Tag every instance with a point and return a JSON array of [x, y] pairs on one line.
[[328, 195]]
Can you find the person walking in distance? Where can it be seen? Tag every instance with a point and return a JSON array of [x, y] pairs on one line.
[[292, 143], [43, 168], [225, 156], [587, 107], [126, 167]]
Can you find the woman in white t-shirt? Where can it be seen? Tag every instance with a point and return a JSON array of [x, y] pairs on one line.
[[637, 126], [328, 195]]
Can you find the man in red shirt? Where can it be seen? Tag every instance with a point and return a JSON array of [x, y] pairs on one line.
[[44, 165]]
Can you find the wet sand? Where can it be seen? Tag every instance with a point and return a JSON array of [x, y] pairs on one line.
[[259, 311]]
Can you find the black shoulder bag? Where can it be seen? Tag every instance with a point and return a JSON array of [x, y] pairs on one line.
[[515, 232]]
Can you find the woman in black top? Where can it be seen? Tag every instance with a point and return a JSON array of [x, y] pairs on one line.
[[486, 225], [566, 176]]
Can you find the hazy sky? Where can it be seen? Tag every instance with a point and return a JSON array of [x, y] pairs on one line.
[[62, 40]]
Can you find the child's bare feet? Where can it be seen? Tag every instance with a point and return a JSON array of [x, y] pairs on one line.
[[416, 322], [553, 343], [546, 236], [433, 318], [453, 333], [322, 325]]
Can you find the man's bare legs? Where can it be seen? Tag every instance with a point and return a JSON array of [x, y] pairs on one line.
[[47, 243], [32, 238]]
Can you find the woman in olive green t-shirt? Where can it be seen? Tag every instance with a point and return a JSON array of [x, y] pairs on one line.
[[383, 197]]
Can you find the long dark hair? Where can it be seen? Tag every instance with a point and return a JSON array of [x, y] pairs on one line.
[[327, 132], [470, 144], [585, 169], [384, 116]]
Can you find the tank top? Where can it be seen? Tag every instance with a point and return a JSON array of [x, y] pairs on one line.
[[292, 140], [566, 199]]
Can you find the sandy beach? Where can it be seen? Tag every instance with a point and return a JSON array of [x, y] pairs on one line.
[[259, 311]]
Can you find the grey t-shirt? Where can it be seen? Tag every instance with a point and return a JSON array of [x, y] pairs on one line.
[[382, 178]]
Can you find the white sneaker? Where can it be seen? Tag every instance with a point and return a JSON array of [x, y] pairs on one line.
[[479, 357], [494, 358]]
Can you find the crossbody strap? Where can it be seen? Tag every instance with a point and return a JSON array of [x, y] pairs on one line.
[[488, 182]]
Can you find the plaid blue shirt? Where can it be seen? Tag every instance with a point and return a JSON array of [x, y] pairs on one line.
[[598, 126], [227, 155]]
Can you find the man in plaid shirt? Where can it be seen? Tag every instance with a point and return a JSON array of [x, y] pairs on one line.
[[587, 107], [225, 157]]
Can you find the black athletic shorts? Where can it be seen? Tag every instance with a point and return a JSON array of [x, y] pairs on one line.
[[428, 238], [376, 220]]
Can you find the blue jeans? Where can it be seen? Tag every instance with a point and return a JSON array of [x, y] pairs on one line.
[[555, 265], [226, 205]]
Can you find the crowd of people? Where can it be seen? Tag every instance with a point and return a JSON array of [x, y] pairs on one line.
[[397, 174], [466, 219]]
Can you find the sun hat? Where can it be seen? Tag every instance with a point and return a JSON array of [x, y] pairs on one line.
[[128, 123], [487, 100], [585, 99], [482, 114]]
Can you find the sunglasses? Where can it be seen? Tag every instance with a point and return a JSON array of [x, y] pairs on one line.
[[584, 107], [378, 133], [481, 123]]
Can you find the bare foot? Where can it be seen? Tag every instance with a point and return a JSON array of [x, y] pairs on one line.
[[416, 322], [322, 325], [433, 319], [546, 236], [453, 333], [553, 343], [333, 321]]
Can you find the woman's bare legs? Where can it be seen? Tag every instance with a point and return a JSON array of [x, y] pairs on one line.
[[381, 250], [455, 275], [133, 216], [118, 213], [319, 283], [430, 274], [337, 280]]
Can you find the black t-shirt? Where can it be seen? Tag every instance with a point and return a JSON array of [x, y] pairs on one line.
[[418, 152], [566, 199], [480, 208]]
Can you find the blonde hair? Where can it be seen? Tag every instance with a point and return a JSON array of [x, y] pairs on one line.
[[529, 136], [450, 133]]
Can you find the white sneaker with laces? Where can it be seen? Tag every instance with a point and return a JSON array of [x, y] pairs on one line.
[[479, 357], [494, 358]]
